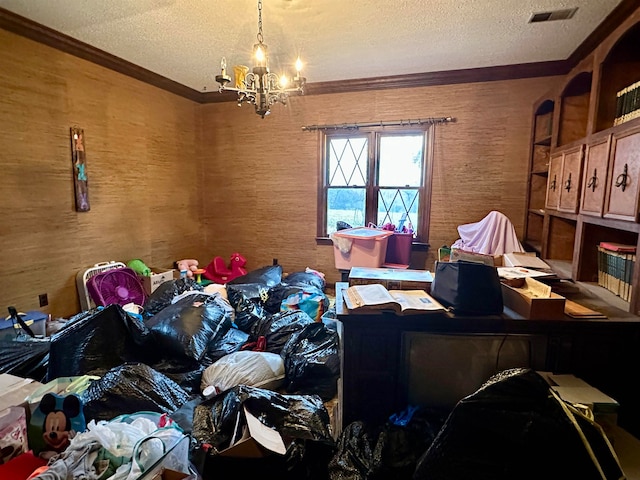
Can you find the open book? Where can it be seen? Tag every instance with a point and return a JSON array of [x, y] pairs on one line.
[[375, 297]]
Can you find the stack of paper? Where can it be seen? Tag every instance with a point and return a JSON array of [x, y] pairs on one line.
[[575, 310], [524, 260]]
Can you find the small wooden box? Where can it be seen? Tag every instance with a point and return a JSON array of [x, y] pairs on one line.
[[529, 302]]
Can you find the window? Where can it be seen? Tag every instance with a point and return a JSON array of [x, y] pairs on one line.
[[376, 176]]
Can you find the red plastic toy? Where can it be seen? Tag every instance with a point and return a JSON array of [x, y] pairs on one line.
[[218, 272]]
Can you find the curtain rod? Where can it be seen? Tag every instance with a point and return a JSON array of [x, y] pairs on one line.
[[393, 123]]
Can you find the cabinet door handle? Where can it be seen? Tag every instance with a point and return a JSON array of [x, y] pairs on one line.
[[593, 181], [567, 184], [552, 184], [622, 179]]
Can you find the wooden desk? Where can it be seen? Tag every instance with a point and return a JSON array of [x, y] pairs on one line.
[[604, 353]]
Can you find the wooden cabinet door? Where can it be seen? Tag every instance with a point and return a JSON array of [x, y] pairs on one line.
[[624, 177], [594, 179], [571, 179], [554, 181]]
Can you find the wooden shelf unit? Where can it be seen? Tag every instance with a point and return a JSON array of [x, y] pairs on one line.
[[566, 221], [538, 173]]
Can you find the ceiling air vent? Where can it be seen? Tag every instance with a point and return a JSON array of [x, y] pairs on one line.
[[565, 14]]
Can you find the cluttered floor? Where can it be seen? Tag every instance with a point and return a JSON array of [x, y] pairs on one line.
[[244, 380]]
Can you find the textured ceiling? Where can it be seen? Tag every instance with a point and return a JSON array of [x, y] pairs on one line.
[[184, 40]]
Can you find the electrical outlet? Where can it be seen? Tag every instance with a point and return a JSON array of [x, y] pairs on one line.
[[44, 299]]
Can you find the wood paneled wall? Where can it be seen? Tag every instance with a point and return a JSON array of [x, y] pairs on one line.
[[261, 174], [171, 179], [144, 175]]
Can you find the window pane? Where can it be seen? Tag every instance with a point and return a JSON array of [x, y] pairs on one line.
[[347, 161], [401, 159], [346, 205], [399, 206]]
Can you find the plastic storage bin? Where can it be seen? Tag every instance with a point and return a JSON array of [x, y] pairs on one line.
[[360, 247], [399, 249], [34, 319]]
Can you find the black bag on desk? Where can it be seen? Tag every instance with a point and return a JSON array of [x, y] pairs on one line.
[[467, 288]]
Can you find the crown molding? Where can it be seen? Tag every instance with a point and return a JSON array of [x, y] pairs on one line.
[[27, 28], [35, 31], [602, 31]]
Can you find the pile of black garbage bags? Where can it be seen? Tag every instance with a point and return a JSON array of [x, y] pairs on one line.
[[512, 427], [155, 361]]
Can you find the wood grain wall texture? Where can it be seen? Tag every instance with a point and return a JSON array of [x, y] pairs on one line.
[[172, 179], [260, 175], [144, 174]]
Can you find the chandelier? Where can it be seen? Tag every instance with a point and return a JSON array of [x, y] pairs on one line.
[[260, 87]]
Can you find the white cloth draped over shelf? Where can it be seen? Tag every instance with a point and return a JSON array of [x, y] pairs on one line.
[[493, 235]]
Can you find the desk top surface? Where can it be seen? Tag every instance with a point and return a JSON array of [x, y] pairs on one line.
[[615, 316]]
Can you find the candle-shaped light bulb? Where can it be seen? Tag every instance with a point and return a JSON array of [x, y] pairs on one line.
[[260, 55], [298, 65], [223, 66], [283, 81]]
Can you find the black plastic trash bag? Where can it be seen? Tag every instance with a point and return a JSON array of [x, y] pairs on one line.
[[27, 359], [232, 341], [131, 388], [407, 435], [278, 328], [268, 276], [390, 451], [162, 296], [515, 426], [312, 361], [303, 279], [106, 339], [187, 374], [184, 329], [358, 456], [302, 422], [301, 417], [247, 310]]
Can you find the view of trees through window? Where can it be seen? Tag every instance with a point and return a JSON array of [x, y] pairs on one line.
[[374, 177]]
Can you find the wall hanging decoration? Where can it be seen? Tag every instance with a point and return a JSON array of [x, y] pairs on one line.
[[80, 180]]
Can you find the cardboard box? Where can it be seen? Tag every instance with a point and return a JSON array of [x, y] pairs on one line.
[[167, 474], [158, 276], [534, 300], [257, 440], [491, 260], [15, 390], [392, 278], [576, 391]]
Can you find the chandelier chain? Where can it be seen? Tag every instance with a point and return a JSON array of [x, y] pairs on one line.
[[260, 37]]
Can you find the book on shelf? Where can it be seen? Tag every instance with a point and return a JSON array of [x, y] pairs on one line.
[[627, 104], [376, 298], [615, 268], [618, 247]]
